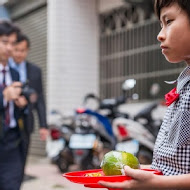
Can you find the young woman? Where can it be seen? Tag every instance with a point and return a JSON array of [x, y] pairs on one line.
[[172, 147]]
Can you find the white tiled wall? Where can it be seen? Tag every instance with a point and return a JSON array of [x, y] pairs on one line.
[[73, 45]]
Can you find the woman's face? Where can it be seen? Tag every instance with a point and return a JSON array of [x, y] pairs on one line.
[[175, 34]]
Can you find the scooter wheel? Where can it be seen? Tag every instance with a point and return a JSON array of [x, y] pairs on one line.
[[62, 164], [144, 156]]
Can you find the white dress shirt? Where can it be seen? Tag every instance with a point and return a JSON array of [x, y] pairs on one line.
[[21, 68]]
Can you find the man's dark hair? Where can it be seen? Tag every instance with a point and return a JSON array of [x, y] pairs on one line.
[[22, 37], [7, 28], [159, 4]]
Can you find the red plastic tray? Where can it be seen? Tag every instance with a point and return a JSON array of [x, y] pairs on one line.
[[87, 181]]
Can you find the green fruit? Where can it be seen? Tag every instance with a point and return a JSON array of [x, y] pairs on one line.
[[114, 161]]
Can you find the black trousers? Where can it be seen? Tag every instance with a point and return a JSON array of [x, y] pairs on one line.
[[25, 142], [10, 160]]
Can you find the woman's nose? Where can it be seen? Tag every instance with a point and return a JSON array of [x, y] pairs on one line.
[[161, 36]]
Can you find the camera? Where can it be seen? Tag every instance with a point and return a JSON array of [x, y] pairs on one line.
[[29, 93]]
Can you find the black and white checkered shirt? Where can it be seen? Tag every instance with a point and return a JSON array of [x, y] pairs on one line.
[[172, 147]]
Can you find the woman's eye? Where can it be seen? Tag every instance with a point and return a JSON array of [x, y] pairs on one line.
[[168, 21]]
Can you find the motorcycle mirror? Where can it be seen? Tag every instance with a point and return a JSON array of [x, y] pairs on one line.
[[154, 89], [91, 101], [128, 84], [135, 96]]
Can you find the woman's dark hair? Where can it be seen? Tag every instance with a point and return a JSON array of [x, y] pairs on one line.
[[22, 37], [7, 28], [159, 4]]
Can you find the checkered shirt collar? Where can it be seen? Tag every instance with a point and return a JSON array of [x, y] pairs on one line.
[[183, 78]]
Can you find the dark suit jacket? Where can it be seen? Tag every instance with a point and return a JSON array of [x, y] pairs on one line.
[[17, 112], [34, 77], [15, 77]]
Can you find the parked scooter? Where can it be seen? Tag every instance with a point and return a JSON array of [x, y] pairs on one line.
[[132, 134], [112, 104], [83, 142], [137, 135], [93, 137], [61, 129], [109, 107]]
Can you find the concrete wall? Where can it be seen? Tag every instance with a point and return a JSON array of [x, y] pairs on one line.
[[107, 5], [73, 56]]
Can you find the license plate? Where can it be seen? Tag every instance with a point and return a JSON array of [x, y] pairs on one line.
[[131, 146], [53, 147], [79, 141]]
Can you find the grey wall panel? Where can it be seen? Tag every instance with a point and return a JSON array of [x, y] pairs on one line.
[[34, 25]]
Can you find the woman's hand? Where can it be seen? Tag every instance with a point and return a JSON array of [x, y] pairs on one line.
[[142, 180]]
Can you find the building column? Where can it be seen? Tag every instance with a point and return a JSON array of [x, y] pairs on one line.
[[73, 53]]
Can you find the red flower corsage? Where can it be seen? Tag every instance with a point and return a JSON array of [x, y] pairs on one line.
[[171, 96]]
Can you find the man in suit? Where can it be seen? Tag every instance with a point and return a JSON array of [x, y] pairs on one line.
[[32, 74], [10, 132]]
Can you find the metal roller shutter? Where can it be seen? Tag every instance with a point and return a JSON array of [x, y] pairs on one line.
[[34, 24]]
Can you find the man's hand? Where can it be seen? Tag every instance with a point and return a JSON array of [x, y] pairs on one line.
[[21, 101], [13, 91], [43, 133], [142, 180]]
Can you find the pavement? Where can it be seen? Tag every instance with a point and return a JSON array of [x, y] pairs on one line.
[[42, 175]]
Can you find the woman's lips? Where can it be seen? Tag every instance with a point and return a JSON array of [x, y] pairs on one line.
[[164, 48]]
